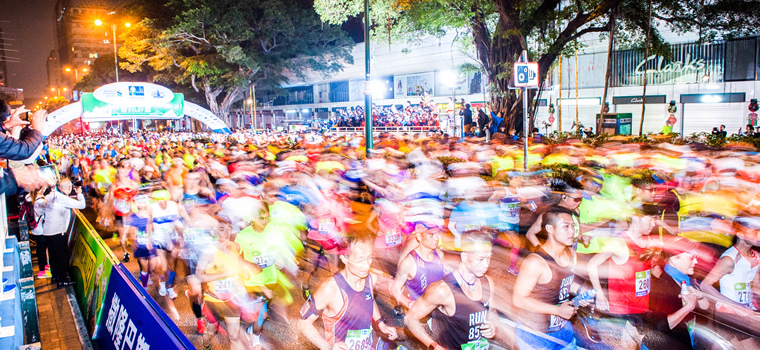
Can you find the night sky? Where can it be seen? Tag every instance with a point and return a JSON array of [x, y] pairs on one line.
[[29, 28]]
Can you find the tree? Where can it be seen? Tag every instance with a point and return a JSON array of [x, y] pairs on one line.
[[218, 47], [497, 31], [55, 103], [102, 71]]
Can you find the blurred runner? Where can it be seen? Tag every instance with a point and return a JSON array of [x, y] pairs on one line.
[[346, 303]]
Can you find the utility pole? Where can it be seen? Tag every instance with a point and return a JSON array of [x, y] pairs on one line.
[[367, 91]]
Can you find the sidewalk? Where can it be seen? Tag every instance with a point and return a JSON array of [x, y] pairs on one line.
[[57, 327]]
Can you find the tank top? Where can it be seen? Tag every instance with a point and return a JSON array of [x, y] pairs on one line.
[[389, 226], [141, 224], [428, 272], [462, 330], [164, 221], [353, 323], [554, 292], [737, 284], [123, 198], [257, 248], [630, 283], [224, 288]]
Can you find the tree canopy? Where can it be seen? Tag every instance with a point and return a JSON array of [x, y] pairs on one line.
[[220, 46], [497, 31]]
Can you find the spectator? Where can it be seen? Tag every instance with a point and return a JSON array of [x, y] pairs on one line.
[[19, 149], [466, 113], [56, 207], [496, 123], [483, 122]]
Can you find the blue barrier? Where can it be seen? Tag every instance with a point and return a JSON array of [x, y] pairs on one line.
[[10, 303], [130, 319]]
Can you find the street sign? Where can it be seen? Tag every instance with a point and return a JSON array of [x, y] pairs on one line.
[[526, 74]]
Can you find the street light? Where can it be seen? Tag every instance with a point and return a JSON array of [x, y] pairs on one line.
[[98, 22], [450, 78]]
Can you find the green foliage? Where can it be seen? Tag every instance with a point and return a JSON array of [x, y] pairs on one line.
[[55, 103], [221, 46], [497, 31], [446, 161], [103, 71]]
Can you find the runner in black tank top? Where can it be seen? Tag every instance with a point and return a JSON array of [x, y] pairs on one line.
[[464, 326], [554, 292], [543, 287], [459, 303]]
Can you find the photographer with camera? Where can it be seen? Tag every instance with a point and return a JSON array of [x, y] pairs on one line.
[[56, 208], [18, 142]]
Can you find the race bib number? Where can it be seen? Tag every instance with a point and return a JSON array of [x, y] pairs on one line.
[[471, 227], [121, 206], [481, 344], [263, 260], [743, 293], [359, 339], [163, 230], [510, 207], [393, 238], [143, 240], [224, 285], [643, 283], [556, 323], [326, 226], [190, 235]]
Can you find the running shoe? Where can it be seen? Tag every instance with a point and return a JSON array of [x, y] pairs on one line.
[[43, 274], [171, 292], [589, 324], [126, 257], [162, 289], [513, 270], [201, 326]]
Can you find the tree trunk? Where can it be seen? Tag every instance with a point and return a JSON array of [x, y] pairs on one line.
[[221, 110], [646, 68], [608, 73]]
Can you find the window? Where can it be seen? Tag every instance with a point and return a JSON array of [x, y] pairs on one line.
[[741, 56]]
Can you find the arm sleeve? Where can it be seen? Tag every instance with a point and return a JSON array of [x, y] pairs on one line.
[[69, 202], [21, 149]]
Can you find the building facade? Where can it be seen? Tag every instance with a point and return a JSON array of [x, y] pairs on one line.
[[711, 84], [80, 39]]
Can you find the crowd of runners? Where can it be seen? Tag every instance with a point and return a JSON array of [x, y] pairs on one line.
[[619, 246]]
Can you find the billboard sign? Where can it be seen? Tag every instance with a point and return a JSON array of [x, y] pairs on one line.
[[131, 320], [94, 109], [91, 262]]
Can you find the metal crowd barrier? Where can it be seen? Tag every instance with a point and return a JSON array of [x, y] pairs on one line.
[[385, 129], [117, 311], [19, 326]]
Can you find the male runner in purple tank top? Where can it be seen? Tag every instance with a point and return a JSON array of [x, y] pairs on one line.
[[420, 268], [544, 286], [460, 302], [347, 304]]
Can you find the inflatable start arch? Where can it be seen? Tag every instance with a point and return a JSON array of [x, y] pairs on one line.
[[126, 101]]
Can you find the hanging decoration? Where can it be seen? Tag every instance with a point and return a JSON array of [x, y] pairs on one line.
[[753, 108], [671, 121], [551, 113]]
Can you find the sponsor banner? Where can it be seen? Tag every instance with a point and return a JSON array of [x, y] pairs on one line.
[[637, 100], [94, 109], [91, 262], [130, 319]]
